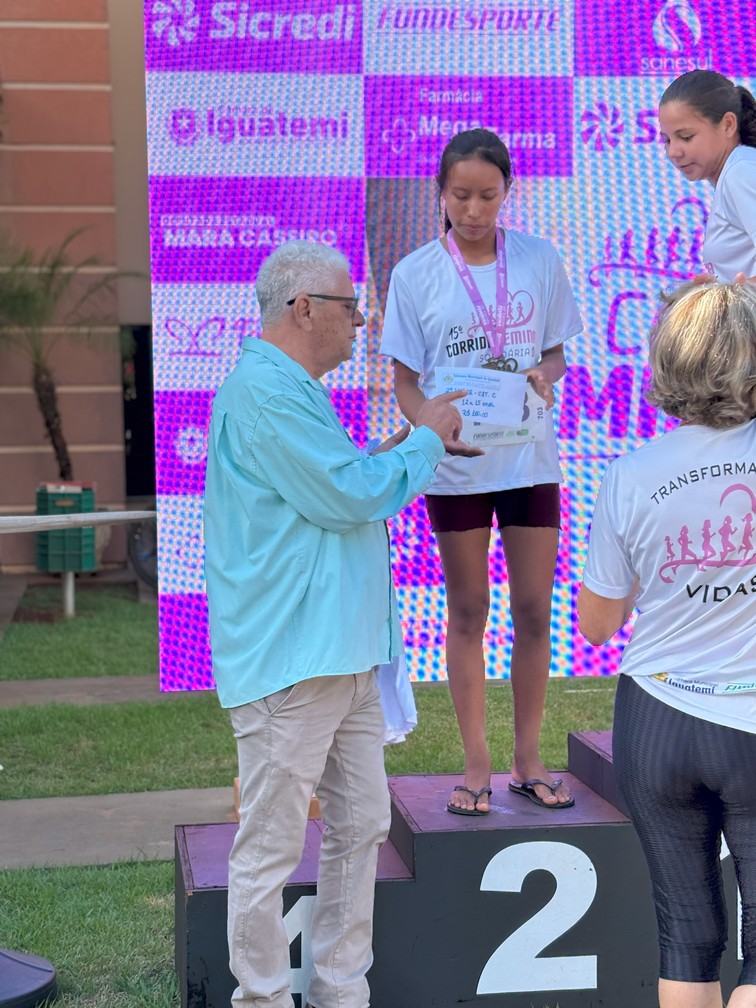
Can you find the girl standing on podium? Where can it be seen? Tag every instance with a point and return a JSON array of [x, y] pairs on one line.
[[709, 129], [482, 297]]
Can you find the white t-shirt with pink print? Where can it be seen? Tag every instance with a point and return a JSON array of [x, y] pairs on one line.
[[681, 513], [430, 322]]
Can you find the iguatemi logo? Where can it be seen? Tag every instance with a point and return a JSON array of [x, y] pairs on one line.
[[225, 126], [175, 21], [183, 126], [726, 540]]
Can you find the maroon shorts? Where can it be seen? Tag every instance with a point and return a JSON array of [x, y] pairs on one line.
[[528, 507]]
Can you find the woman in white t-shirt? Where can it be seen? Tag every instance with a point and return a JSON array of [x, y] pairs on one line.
[[674, 533], [482, 298], [709, 129]]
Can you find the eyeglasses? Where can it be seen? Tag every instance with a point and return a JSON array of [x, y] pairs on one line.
[[353, 302]]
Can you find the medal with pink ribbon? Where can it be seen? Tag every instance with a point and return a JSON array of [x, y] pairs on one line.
[[495, 328]]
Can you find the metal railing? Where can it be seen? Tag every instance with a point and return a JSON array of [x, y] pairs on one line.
[[46, 523]]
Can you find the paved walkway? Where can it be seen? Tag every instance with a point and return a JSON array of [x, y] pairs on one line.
[[95, 829], [95, 690], [102, 829]]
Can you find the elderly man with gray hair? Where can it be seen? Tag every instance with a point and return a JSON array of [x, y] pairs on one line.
[[302, 610]]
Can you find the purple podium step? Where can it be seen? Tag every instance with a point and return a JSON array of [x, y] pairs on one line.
[[201, 901], [523, 907], [589, 756], [456, 900]]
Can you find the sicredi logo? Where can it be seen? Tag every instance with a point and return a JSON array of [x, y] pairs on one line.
[[602, 126], [236, 20], [226, 125], [176, 22]]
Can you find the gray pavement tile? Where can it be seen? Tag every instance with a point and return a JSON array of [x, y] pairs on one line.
[[83, 691], [104, 829]]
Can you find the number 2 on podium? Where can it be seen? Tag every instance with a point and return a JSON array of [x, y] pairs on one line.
[[515, 966]]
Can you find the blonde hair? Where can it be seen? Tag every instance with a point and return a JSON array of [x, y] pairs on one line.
[[703, 354]]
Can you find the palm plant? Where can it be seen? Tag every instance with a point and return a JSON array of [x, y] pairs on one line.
[[44, 298]]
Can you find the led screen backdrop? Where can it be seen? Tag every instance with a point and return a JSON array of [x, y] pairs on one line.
[[278, 119]]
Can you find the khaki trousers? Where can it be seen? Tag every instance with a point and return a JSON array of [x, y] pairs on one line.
[[323, 735]]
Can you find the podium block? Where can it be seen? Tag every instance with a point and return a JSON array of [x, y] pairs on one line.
[[523, 908], [201, 952]]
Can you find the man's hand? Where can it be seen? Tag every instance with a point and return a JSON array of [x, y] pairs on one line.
[[445, 420]]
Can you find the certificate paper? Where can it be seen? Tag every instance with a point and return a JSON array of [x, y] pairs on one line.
[[532, 427], [493, 397], [524, 411]]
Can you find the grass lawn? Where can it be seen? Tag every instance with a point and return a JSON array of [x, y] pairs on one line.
[[112, 634], [60, 750], [109, 930]]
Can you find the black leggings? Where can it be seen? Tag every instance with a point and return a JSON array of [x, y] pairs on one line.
[[685, 781]]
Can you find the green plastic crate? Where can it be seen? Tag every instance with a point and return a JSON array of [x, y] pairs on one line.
[[72, 549]]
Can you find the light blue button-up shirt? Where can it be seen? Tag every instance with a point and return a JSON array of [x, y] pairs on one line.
[[296, 547]]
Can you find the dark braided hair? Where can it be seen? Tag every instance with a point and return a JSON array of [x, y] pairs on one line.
[[711, 95]]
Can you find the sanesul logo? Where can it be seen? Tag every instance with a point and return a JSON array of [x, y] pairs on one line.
[[662, 37], [602, 126], [677, 27], [253, 35]]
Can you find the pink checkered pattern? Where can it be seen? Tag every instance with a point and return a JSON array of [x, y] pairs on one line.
[[276, 119]]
